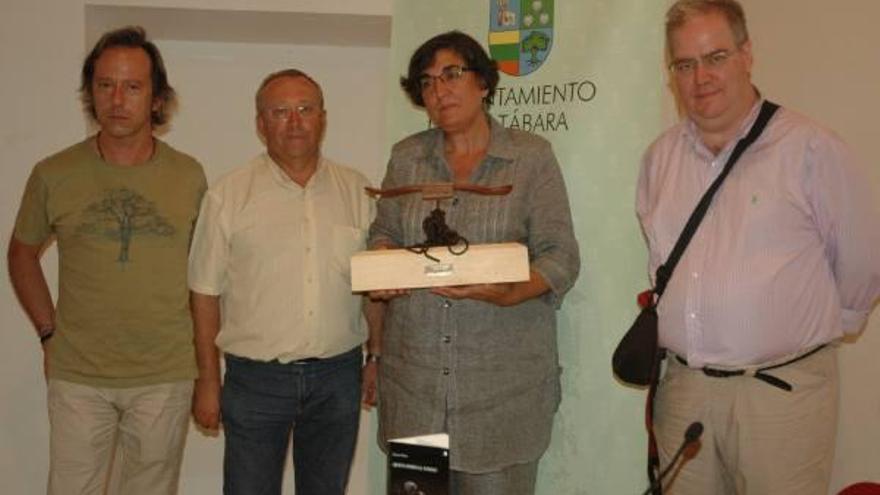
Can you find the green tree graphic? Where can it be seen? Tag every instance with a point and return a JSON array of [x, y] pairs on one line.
[[535, 42], [121, 215]]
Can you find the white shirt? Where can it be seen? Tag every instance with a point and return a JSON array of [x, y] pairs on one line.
[[278, 255], [786, 257]]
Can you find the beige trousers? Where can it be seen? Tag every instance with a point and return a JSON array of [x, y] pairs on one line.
[[148, 424], [758, 439]]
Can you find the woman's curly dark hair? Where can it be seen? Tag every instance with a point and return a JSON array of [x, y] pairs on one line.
[[475, 57]]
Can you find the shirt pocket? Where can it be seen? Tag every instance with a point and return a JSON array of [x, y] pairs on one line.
[[346, 241], [268, 234]]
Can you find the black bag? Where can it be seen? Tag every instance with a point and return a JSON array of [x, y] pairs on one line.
[[636, 359], [638, 353]]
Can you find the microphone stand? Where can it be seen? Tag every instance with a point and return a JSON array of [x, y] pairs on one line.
[[691, 435]]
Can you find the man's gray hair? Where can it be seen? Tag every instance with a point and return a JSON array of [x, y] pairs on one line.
[[682, 10], [292, 73]]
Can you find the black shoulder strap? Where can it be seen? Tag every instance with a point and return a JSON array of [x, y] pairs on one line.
[[664, 271]]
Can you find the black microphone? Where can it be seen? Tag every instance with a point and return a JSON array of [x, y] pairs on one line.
[[691, 435]]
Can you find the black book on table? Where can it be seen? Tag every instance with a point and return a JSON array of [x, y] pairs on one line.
[[419, 465]]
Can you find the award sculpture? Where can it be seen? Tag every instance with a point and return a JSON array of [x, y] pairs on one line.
[[445, 258]]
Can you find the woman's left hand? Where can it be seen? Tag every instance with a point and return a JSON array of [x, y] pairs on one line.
[[503, 294], [498, 294]]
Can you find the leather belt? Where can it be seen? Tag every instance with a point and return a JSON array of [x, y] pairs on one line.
[[306, 360], [759, 373]]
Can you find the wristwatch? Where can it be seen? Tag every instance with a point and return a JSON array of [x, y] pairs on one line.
[[45, 333]]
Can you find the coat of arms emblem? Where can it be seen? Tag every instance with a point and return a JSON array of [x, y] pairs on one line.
[[520, 34]]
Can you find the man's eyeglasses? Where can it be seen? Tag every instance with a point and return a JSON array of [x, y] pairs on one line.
[[687, 66], [283, 112], [449, 75]]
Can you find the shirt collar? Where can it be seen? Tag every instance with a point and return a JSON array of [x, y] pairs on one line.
[[500, 143], [281, 178], [690, 131]]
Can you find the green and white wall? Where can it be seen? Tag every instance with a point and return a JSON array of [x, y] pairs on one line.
[[603, 79]]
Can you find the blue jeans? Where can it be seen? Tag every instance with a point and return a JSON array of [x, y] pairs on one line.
[[262, 403]]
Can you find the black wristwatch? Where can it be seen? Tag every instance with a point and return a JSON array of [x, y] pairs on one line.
[[45, 333]]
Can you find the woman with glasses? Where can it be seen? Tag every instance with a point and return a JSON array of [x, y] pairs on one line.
[[480, 361]]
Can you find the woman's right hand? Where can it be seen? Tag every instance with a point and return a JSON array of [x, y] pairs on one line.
[[387, 294]]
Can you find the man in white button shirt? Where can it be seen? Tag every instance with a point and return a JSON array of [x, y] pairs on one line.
[[782, 266], [269, 275]]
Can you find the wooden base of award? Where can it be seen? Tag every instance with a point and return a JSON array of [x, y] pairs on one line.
[[403, 269]]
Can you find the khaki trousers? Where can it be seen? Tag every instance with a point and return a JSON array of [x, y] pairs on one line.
[[148, 423], [758, 439]]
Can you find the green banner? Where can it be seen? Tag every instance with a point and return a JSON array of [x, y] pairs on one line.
[[588, 75]]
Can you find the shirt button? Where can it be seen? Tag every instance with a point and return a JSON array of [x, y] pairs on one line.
[[447, 339], [695, 275], [693, 316], [445, 371], [447, 304]]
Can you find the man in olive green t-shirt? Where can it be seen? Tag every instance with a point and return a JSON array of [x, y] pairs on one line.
[[118, 353]]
